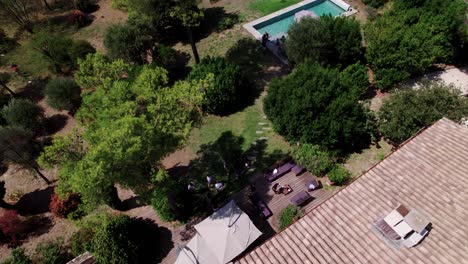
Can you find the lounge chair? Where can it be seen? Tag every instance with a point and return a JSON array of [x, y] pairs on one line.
[[297, 170], [301, 198], [260, 205], [312, 185], [281, 170]]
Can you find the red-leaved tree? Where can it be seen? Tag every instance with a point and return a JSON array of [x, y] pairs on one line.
[[63, 207], [11, 226]]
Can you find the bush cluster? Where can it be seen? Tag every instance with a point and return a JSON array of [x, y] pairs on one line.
[[62, 93], [289, 214], [11, 226], [314, 159], [64, 207], [53, 252], [406, 111], [339, 175], [24, 114], [407, 40], [17, 257]]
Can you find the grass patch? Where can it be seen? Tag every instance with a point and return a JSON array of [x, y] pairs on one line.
[[244, 123], [266, 7]]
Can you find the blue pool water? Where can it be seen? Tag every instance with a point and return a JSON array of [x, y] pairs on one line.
[[278, 26]]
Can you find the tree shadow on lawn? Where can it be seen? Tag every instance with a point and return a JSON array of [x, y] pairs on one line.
[[226, 162], [212, 22]]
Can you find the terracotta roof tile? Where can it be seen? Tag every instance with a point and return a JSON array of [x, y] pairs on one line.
[[429, 173]]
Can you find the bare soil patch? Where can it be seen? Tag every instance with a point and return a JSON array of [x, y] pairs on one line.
[[104, 17]]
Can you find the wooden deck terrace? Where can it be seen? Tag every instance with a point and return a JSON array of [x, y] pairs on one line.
[[277, 202]]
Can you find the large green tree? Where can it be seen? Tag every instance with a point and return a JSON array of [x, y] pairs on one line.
[[313, 105], [129, 125], [62, 93], [407, 111], [328, 40], [412, 36]]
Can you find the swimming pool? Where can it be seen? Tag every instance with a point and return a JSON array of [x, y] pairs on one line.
[[278, 23]]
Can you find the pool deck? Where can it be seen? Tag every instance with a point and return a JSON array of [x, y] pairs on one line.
[[250, 26]]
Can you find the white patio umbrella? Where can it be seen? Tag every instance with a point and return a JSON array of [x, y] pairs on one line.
[[220, 238], [304, 13]]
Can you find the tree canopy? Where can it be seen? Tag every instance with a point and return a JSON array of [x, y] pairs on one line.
[[413, 35], [230, 89], [130, 124], [315, 105], [125, 240], [62, 93], [406, 111], [61, 51], [328, 40], [23, 113]]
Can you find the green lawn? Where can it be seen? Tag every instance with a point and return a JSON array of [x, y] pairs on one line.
[[244, 124], [266, 7]]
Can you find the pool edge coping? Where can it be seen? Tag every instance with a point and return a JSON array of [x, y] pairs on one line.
[[250, 26]]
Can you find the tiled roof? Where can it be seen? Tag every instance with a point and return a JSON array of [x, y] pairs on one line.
[[429, 173]]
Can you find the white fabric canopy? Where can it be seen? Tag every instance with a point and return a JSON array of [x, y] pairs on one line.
[[220, 237]]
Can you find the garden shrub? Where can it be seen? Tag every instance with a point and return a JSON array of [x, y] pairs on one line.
[[80, 241], [53, 252], [126, 41], [406, 111], [11, 226], [62, 93], [64, 207], [339, 175], [227, 23], [17, 257], [229, 90], [412, 36], [162, 205], [126, 240], [314, 159], [315, 105], [78, 18], [120, 4], [328, 40], [289, 214], [23, 113]]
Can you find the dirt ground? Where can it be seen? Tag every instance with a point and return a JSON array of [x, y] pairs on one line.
[[104, 17]]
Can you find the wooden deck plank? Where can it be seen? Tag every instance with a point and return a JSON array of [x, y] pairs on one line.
[[277, 202]]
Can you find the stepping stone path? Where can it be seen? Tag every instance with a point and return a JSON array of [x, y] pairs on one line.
[[262, 124], [259, 132], [266, 128], [262, 139]]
